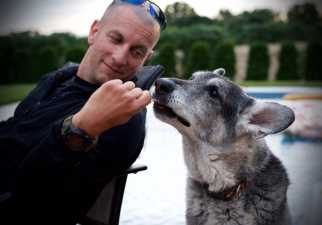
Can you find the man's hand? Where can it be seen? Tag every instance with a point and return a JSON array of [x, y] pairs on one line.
[[114, 103]]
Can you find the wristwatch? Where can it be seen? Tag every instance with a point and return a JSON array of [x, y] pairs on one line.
[[75, 138]]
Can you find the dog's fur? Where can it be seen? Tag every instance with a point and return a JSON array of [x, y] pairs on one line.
[[224, 149]]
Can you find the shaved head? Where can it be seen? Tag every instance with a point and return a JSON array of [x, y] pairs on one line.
[[139, 11], [119, 44]]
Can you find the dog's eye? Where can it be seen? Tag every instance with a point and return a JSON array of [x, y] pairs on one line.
[[212, 90]]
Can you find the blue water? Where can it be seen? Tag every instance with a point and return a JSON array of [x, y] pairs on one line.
[[278, 93], [275, 95]]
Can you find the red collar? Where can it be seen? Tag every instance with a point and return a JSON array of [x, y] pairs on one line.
[[228, 194]]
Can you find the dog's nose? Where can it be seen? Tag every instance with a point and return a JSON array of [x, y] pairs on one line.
[[164, 85]]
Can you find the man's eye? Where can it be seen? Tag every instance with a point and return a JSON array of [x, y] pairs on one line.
[[138, 53], [115, 39]]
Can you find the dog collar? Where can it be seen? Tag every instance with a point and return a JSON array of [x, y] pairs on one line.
[[228, 194]]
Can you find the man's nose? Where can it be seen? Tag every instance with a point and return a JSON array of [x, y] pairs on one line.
[[164, 86], [120, 56]]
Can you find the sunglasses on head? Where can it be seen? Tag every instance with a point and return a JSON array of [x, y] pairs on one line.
[[153, 9]]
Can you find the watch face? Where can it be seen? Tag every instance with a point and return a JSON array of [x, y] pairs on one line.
[[75, 138], [75, 142]]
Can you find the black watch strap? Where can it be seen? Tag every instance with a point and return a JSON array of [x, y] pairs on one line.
[[75, 138]]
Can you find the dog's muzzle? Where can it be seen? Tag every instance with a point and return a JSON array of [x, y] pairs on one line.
[[163, 88]]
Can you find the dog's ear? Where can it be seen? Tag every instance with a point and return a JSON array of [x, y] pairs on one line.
[[263, 118], [220, 71]]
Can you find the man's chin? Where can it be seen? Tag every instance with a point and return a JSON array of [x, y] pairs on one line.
[[102, 78], [105, 75]]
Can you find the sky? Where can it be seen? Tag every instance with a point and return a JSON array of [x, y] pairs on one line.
[[76, 16]]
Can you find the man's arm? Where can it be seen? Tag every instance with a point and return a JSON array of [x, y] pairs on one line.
[[113, 104], [52, 172], [54, 180]]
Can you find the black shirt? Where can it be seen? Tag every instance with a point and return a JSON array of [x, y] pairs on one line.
[[43, 175]]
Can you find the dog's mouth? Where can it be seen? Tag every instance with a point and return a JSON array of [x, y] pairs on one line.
[[165, 110]]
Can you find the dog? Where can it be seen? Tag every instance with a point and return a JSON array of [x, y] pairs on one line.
[[233, 177]]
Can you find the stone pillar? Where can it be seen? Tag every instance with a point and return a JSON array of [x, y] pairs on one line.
[[274, 63], [301, 49], [179, 54], [241, 55]]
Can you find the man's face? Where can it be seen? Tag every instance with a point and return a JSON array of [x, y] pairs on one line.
[[119, 45]]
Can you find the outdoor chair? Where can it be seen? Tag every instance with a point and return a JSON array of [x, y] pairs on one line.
[[107, 208]]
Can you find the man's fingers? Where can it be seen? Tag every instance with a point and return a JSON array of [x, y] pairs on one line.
[[129, 85], [144, 98], [135, 93], [113, 82]]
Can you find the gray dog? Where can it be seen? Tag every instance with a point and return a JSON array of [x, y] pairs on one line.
[[233, 177]]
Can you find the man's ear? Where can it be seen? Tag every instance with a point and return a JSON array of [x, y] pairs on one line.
[[148, 57], [93, 31], [263, 118]]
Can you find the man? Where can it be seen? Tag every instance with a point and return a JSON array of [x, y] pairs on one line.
[[81, 125]]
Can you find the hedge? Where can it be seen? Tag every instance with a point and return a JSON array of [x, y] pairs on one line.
[[167, 58], [258, 62], [224, 57], [288, 59], [313, 65], [198, 58]]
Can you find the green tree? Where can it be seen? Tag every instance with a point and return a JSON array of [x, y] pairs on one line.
[[313, 68], [259, 16], [6, 60], [225, 15], [288, 69], [224, 57], [23, 66], [306, 13], [25, 56], [183, 38], [179, 10], [258, 62], [75, 54], [250, 26], [198, 58], [167, 58], [48, 61], [181, 14]]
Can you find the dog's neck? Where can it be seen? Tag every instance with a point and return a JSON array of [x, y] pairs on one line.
[[223, 166], [229, 193]]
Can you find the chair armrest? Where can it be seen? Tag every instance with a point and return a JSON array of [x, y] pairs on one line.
[[136, 168], [107, 208]]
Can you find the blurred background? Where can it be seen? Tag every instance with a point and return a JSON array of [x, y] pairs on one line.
[[254, 40], [272, 48]]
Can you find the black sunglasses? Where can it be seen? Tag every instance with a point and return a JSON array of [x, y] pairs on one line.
[[153, 9]]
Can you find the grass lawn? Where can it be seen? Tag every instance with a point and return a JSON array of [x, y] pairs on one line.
[[14, 92]]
